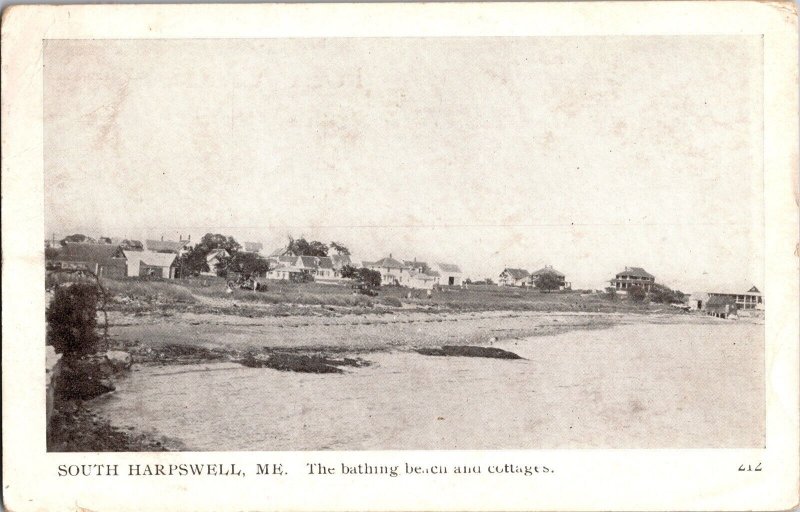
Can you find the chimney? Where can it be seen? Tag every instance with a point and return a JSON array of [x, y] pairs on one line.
[[390, 255], [162, 238]]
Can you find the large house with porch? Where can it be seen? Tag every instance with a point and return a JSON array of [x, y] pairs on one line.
[[633, 277], [751, 299], [392, 271]]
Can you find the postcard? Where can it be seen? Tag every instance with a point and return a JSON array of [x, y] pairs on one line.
[[496, 256]]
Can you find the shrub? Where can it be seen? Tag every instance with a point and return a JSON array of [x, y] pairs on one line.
[[392, 301], [72, 318], [637, 294]]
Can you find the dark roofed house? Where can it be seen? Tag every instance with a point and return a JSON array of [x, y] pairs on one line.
[[132, 245], [633, 277], [321, 267], [419, 266], [104, 260], [549, 270], [513, 277], [167, 246], [281, 251]]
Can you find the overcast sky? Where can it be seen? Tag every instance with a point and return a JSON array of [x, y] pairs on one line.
[[589, 154]]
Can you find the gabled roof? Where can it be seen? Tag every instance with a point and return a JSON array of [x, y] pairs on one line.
[[280, 251], [547, 270], [636, 272], [307, 261], [214, 253], [155, 259], [449, 267], [325, 262], [165, 245], [90, 253], [516, 273], [340, 260], [388, 262], [253, 246], [753, 290]]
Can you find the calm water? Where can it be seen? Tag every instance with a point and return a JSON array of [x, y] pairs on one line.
[[632, 386]]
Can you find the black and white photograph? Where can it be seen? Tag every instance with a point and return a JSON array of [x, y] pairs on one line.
[[401, 257], [461, 243]]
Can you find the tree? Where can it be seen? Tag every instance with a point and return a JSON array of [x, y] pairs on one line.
[[211, 241], [50, 253], [370, 278], [76, 239], [72, 318], [547, 281], [192, 262], [340, 249], [349, 272], [302, 247], [664, 295], [247, 264], [637, 294]]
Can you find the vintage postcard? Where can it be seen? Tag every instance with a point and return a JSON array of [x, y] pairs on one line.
[[400, 257]]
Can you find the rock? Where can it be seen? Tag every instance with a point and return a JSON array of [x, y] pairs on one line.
[[468, 351], [119, 360]]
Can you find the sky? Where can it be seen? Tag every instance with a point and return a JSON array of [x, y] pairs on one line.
[[589, 154]]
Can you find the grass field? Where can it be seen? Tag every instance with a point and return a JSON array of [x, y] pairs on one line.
[[201, 293]]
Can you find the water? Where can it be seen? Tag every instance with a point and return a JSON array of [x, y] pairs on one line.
[[631, 386]]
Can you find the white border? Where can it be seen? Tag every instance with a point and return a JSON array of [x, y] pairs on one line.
[[583, 479]]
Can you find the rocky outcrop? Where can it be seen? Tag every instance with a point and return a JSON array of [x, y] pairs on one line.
[[119, 360], [468, 351]]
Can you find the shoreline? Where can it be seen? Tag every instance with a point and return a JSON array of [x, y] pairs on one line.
[[86, 430]]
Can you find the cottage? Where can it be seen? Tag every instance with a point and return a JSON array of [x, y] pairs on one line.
[[151, 263], [698, 301], [392, 271], [101, 259], [633, 277], [284, 273], [213, 259], [426, 280], [513, 277], [549, 270], [751, 299], [321, 267], [450, 274]]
